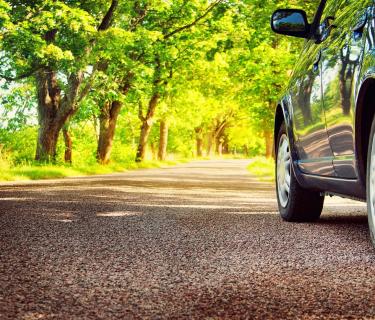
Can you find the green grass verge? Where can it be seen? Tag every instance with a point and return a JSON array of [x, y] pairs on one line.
[[37, 172], [263, 168]]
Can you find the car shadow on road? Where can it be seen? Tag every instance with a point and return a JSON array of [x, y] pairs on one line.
[[343, 219]]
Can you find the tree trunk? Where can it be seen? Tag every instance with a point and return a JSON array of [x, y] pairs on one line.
[[226, 145], [219, 148], [199, 140], [219, 145], [269, 145], [154, 149], [215, 139], [108, 120], [146, 127], [68, 145], [47, 142], [53, 111], [143, 139], [210, 144], [199, 147], [49, 96], [163, 140], [246, 150]]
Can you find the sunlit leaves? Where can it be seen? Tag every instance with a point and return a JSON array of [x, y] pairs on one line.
[[51, 34]]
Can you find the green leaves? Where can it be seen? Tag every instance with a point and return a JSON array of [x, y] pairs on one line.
[[209, 63], [50, 34], [4, 15]]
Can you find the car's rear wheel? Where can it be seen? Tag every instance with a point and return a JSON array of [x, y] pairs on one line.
[[295, 203], [371, 183]]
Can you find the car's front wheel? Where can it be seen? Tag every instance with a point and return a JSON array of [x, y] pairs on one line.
[[295, 203], [371, 183]]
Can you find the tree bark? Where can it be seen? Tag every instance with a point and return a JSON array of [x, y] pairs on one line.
[[146, 127], [246, 150], [108, 120], [109, 113], [154, 149], [215, 138], [219, 145], [48, 134], [143, 139], [68, 145], [199, 140], [226, 144], [268, 140], [163, 140], [49, 99], [210, 144], [53, 110], [147, 120]]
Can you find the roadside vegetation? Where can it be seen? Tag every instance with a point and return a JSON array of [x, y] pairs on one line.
[[94, 87], [263, 168]]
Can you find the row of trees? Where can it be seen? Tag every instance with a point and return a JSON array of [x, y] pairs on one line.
[[211, 68]]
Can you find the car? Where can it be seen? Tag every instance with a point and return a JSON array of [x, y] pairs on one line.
[[324, 129]]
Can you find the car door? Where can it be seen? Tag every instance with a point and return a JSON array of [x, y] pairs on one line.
[[311, 138], [342, 49]]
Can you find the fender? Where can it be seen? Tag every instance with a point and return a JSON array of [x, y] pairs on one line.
[[285, 107]]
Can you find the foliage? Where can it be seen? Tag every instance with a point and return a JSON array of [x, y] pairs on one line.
[[216, 66]]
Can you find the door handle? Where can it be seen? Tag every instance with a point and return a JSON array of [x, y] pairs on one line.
[[317, 62]]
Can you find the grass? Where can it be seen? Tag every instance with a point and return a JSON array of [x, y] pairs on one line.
[[37, 172], [263, 168]]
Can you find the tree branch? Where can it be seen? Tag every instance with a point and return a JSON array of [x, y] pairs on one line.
[[20, 77], [87, 88], [188, 26], [140, 111], [107, 20], [176, 17], [127, 83], [142, 13]]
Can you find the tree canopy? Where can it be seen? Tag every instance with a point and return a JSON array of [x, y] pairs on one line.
[[140, 79]]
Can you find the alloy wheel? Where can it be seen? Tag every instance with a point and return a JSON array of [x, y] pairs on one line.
[[283, 171]]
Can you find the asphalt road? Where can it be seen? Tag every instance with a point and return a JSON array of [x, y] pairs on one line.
[[197, 241]]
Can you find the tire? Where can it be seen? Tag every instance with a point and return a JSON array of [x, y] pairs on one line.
[[370, 177], [296, 204]]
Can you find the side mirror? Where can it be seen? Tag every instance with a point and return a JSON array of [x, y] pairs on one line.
[[290, 22]]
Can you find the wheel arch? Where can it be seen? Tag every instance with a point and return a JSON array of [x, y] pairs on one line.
[[365, 112], [279, 119]]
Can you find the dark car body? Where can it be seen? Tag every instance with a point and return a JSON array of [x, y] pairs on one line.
[[329, 104]]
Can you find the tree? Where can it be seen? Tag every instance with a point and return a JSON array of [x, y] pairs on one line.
[[207, 72], [51, 41], [167, 53]]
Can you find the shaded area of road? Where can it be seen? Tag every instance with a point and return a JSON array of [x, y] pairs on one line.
[[200, 240]]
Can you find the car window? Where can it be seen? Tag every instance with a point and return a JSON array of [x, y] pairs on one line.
[[331, 8], [345, 12], [339, 18]]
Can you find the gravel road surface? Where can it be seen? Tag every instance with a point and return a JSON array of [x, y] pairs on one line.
[[196, 241]]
